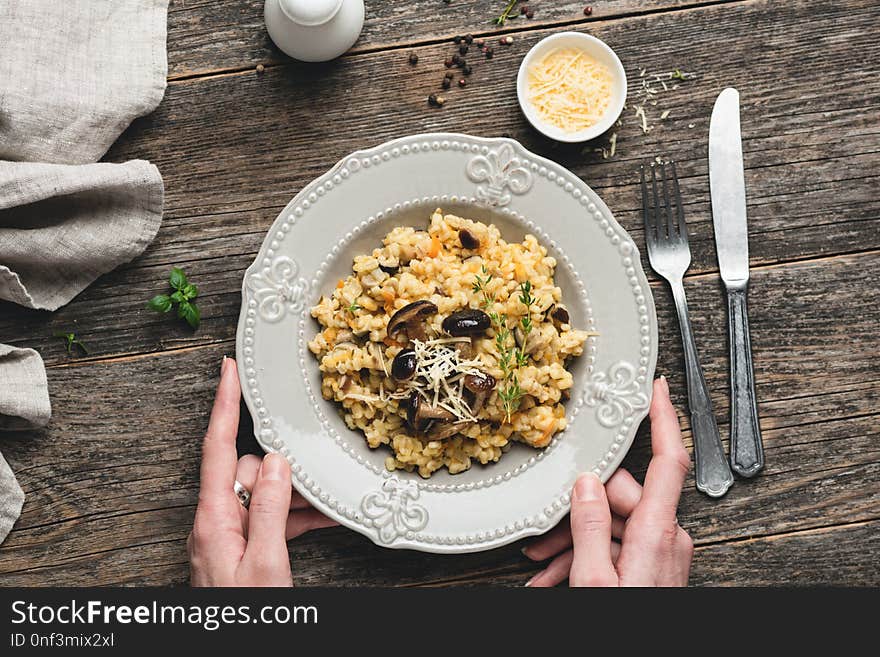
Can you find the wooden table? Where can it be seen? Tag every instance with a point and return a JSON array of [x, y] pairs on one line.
[[112, 483]]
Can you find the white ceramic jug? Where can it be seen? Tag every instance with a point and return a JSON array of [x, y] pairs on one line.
[[314, 30]]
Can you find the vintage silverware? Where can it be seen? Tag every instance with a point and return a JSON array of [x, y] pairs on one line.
[[670, 256], [728, 191]]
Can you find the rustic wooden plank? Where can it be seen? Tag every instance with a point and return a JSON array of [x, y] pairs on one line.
[[204, 37], [117, 471], [111, 494], [805, 145], [283, 116]]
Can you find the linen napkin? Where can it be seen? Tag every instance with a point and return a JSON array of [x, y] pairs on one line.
[[62, 226], [73, 75], [24, 404]]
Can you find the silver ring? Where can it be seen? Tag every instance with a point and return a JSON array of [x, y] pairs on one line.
[[242, 493]]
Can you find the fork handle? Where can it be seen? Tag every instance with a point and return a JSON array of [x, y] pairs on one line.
[[712, 472], [746, 449]]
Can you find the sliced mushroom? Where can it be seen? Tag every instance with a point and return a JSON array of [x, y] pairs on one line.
[[411, 320], [420, 414], [481, 385], [465, 349], [468, 239], [342, 336], [469, 321], [523, 341], [442, 430], [403, 367], [559, 315]]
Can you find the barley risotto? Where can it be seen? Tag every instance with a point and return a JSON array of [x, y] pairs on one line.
[[448, 344]]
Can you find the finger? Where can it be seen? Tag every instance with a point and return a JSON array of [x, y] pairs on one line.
[[219, 458], [591, 534], [550, 544], [267, 513], [623, 492], [300, 522], [249, 465], [558, 570], [670, 462], [558, 539]]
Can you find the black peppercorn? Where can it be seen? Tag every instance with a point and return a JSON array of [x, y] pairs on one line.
[[480, 43], [456, 39], [432, 100], [463, 49], [530, 14], [449, 63], [413, 58], [467, 70], [456, 59], [447, 83], [468, 39], [489, 53]]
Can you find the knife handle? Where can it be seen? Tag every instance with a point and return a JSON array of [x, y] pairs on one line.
[[712, 472], [746, 449]]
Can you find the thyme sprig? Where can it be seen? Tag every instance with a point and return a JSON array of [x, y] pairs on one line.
[[510, 358], [507, 14]]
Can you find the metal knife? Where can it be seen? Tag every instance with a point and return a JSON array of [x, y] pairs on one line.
[[728, 191]]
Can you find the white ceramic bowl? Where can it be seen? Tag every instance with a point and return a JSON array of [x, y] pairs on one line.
[[595, 48], [346, 212]]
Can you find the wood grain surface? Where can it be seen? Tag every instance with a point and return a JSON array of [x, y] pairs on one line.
[[112, 482]]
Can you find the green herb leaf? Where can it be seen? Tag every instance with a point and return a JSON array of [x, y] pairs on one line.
[[177, 278], [161, 303], [71, 340], [178, 297], [190, 312], [190, 291], [677, 75]]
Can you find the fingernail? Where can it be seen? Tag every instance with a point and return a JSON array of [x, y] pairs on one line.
[[588, 488], [223, 365], [534, 577], [274, 468], [665, 384], [525, 552]]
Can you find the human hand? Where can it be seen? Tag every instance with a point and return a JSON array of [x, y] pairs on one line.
[[652, 549], [230, 545]]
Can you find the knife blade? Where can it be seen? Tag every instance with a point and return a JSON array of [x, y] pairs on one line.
[[728, 191]]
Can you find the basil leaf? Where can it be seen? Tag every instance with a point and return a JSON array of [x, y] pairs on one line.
[[189, 312], [177, 278], [161, 303], [190, 291], [178, 297]]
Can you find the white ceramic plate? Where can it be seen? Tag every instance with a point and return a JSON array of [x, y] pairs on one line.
[[346, 212]]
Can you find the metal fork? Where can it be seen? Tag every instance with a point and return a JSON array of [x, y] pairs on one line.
[[670, 256]]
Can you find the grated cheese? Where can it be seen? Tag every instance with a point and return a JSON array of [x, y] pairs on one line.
[[439, 376], [569, 89]]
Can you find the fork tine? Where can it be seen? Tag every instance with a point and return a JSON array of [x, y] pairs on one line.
[[650, 228], [667, 208], [679, 211], [660, 233]]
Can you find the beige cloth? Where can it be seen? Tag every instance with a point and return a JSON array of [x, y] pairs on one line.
[[62, 226], [73, 75], [24, 404]]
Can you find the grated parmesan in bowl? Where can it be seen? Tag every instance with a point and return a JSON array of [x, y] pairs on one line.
[[571, 87]]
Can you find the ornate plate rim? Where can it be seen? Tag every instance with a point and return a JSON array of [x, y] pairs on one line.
[[561, 505]]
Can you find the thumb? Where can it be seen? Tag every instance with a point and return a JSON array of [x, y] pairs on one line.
[[267, 514], [591, 534]]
